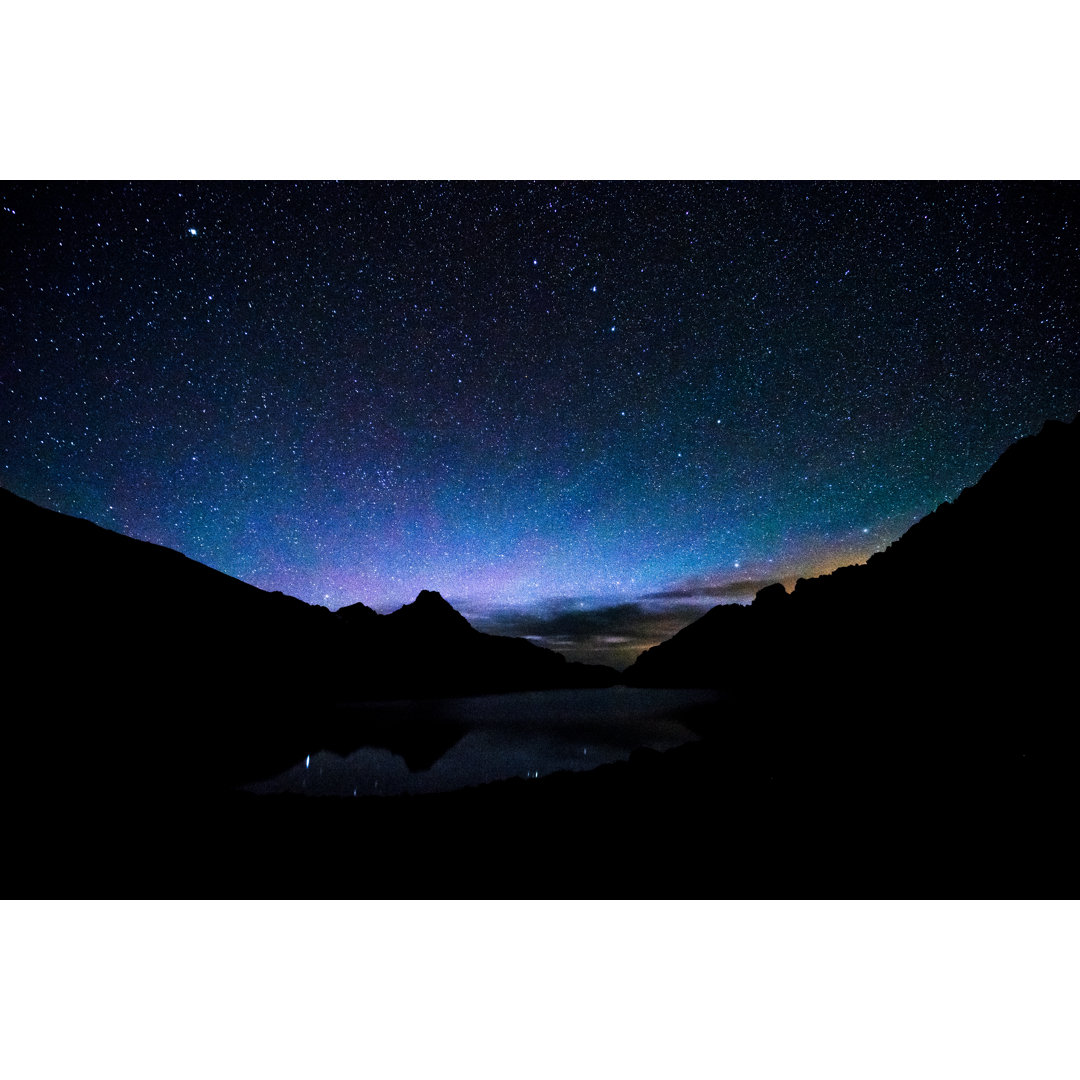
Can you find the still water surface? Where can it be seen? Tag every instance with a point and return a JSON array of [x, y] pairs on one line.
[[457, 742]]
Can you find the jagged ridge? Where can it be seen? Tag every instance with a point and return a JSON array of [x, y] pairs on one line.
[[941, 611], [165, 652]]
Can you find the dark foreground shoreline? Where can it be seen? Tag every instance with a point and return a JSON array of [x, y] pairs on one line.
[[785, 805]]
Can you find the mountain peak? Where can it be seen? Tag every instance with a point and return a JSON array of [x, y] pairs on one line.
[[429, 598], [432, 610], [357, 612]]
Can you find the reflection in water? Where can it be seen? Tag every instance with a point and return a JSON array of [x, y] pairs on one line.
[[391, 748], [419, 732]]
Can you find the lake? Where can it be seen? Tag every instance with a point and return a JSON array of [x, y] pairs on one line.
[[416, 747]]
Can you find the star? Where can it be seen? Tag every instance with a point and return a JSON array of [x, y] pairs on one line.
[[359, 391]]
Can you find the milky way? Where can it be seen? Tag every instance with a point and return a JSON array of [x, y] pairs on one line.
[[581, 411]]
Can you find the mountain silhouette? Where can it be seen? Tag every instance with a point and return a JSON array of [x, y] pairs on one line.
[[428, 649], [969, 607], [125, 651], [429, 613], [908, 722]]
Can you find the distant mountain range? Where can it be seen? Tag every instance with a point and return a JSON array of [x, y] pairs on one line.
[[127, 655], [148, 616], [908, 722], [976, 602]]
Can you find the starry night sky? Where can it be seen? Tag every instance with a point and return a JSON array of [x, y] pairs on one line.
[[582, 411]]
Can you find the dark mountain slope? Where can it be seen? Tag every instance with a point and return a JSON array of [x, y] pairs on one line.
[[975, 603], [127, 655]]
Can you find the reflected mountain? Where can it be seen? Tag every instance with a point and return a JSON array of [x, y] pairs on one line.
[[482, 740], [418, 732]]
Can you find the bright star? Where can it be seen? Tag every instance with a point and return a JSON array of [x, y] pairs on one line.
[[193, 232]]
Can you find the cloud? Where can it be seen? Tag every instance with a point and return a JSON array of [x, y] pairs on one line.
[[570, 621], [728, 591], [616, 634], [611, 634]]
